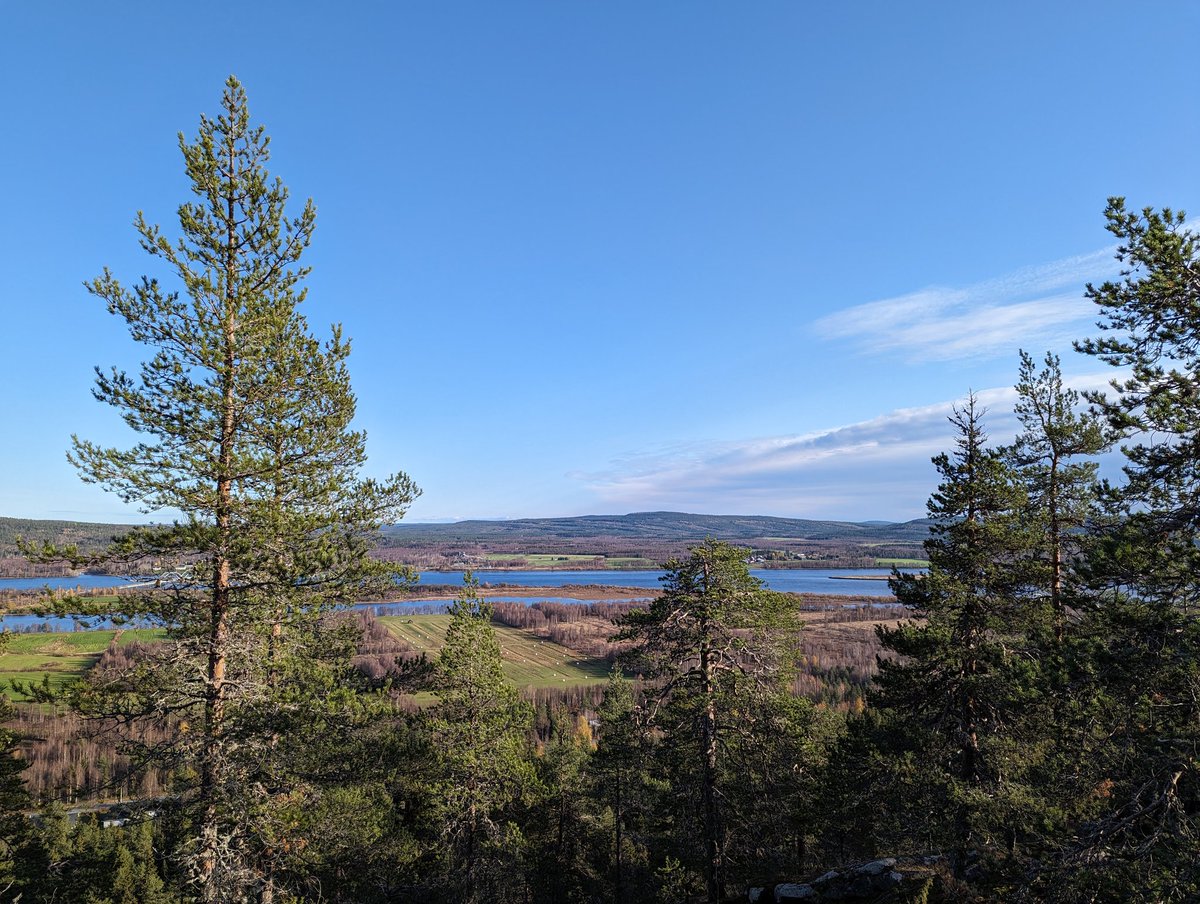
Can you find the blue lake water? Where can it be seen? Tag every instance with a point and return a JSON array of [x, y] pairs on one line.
[[834, 582], [85, 581], [792, 580], [22, 623]]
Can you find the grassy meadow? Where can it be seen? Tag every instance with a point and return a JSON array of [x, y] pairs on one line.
[[529, 661], [570, 560], [62, 656]]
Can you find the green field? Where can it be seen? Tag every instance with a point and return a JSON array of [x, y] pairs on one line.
[[540, 560], [902, 563], [529, 661], [32, 657], [571, 560]]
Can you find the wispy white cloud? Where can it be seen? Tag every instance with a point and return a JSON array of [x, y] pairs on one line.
[[879, 468], [1040, 306]]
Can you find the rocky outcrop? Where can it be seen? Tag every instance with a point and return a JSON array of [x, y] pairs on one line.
[[879, 881]]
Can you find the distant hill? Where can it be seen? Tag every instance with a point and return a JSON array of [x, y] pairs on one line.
[[674, 526], [651, 526], [86, 535]]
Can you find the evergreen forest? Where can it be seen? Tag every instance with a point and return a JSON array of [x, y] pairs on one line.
[[1030, 731]]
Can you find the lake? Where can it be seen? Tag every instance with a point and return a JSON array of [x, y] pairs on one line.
[[834, 581], [831, 581], [791, 580], [84, 581]]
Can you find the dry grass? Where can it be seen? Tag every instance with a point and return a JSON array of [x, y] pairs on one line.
[[529, 661]]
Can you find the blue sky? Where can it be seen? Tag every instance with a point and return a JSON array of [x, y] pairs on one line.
[[609, 257]]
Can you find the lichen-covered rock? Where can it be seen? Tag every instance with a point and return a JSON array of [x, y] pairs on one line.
[[875, 867], [877, 881], [793, 892]]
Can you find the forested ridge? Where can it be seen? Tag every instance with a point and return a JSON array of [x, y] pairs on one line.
[[637, 525], [639, 539], [85, 534], [660, 526], [1030, 732]]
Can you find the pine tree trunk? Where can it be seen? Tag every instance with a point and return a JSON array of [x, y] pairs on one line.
[[214, 713], [970, 778], [1056, 562], [618, 818], [212, 776], [712, 828]]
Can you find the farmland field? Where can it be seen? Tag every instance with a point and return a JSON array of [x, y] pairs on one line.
[[542, 560], [569, 561], [529, 661], [31, 657]]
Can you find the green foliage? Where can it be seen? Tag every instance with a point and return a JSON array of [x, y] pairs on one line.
[[561, 831], [245, 424], [16, 854], [90, 863], [719, 648], [711, 614], [528, 660], [482, 773], [875, 792], [82, 535], [968, 678], [1060, 487], [1138, 657], [622, 791]]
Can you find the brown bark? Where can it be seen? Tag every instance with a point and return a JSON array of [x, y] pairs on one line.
[[618, 820], [212, 775], [969, 774], [1056, 562], [713, 840]]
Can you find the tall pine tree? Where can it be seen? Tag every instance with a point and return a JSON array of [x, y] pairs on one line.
[[966, 674], [1051, 457], [618, 780], [720, 646], [481, 771], [16, 835], [245, 419], [1143, 664]]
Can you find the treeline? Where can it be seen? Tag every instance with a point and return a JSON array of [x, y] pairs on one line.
[[14, 566]]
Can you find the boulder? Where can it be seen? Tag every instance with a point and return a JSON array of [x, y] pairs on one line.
[[793, 892], [877, 880], [875, 867]]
